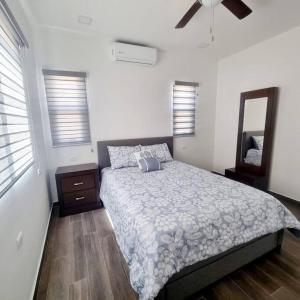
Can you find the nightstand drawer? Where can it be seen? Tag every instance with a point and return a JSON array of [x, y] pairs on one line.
[[71, 184], [80, 198]]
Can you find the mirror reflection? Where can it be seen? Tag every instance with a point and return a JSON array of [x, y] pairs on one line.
[[253, 131]]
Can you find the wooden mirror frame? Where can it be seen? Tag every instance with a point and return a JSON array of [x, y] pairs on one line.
[[272, 95]]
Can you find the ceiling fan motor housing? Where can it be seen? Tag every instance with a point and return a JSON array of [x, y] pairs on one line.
[[237, 7], [210, 3]]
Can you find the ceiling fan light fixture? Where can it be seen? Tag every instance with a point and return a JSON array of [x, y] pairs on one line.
[[210, 3]]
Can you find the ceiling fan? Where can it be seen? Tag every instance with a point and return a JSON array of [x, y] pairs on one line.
[[237, 7]]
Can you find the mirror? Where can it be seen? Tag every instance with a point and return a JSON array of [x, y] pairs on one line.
[[255, 134], [255, 113]]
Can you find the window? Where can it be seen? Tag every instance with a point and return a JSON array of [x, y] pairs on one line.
[[184, 105], [16, 154], [67, 107]]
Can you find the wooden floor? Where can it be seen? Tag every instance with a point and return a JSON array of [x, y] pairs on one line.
[[83, 261]]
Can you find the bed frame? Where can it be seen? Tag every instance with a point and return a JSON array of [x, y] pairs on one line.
[[194, 278]]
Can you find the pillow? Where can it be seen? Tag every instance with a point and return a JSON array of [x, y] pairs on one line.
[[122, 156], [258, 142], [142, 154], [160, 151], [150, 164]]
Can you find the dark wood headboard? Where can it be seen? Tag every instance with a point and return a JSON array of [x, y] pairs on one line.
[[103, 156]]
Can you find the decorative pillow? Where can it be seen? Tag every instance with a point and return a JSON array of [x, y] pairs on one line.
[[122, 156], [149, 164], [258, 142], [142, 154], [160, 151]]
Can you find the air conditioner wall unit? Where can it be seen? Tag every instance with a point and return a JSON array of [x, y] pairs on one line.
[[134, 54]]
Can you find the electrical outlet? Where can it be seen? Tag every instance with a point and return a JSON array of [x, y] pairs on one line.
[[19, 240], [38, 171]]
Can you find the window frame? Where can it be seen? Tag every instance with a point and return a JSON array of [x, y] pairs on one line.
[[186, 84], [55, 72], [12, 30]]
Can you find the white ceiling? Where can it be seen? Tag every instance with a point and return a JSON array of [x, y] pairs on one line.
[[152, 22]]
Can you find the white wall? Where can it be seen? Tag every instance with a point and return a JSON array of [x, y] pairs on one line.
[[274, 62], [25, 207], [131, 101]]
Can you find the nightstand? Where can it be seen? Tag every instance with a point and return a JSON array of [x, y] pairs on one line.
[[78, 188], [259, 182]]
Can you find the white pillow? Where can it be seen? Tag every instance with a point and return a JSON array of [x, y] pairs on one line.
[[160, 151], [258, 142], [142, 154], [122, 156]]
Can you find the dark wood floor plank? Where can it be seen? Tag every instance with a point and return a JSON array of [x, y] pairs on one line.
[[291, 247], [89, 225], [262, 279], [98, 278], [227, 289], [287, 265], [118, 280], [75, 218], [291, 257], [289, 236], [103, 225], [284, 294], [249, 286], [279, 275], [79, 255], [60, 279], [79, 290], [47, 260], [63, 237]]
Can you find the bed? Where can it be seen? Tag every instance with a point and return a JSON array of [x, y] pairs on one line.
[[183, 228]]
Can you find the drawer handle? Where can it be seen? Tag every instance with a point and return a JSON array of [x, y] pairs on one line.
[[79, 198], [78, 183]]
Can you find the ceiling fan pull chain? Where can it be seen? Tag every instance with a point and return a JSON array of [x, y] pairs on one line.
[[212, 23]]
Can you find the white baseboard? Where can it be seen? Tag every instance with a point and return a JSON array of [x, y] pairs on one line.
[[41, 256]]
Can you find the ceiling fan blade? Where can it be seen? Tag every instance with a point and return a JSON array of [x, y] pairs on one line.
[[238, 8], [188, 16]]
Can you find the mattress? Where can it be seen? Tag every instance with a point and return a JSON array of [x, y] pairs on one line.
[[169, 219]]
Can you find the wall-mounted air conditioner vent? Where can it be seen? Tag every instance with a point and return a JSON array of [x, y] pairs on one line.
[[134, 54]]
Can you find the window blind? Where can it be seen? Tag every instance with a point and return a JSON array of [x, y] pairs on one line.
[[16, 154], [67, 107], [184, 106]]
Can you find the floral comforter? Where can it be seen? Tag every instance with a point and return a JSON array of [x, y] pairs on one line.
[[167, 220]]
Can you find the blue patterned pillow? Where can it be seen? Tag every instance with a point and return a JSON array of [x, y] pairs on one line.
[[142, 154], [149, 164]]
